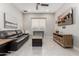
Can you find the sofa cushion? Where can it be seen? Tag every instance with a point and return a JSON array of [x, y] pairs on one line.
[[11, 33], [21, 38]]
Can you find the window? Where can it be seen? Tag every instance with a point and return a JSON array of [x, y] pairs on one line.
[[38, 24]]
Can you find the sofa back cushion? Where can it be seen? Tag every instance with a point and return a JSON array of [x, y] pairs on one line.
[[18, 31], [10, 33], [3, 35], [7, 33]]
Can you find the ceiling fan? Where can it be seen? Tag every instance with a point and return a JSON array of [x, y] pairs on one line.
[[41, 4]]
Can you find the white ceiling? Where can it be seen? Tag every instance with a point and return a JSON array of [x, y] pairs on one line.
[[31, 7]]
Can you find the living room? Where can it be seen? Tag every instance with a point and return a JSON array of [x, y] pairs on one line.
[[31, 29]]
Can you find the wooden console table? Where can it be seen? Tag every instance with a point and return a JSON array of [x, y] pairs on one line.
[[63, 40]]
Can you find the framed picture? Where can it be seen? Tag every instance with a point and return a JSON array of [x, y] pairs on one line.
[[8, 23], [66, 18]]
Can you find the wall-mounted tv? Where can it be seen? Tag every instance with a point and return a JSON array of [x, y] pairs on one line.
[[66, 18]]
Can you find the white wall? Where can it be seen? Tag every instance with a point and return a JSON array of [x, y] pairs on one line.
[[9, 8], [49, 22], [70, 29]]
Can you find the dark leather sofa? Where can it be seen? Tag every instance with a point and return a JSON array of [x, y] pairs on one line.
[[18, 37]]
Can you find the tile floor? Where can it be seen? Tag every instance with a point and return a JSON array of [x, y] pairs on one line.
[[49, 48]]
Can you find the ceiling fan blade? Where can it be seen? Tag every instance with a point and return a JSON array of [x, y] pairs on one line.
[[37, 6], [42, 4]]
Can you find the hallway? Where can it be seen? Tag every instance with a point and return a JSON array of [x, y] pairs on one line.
[[49, 48]]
